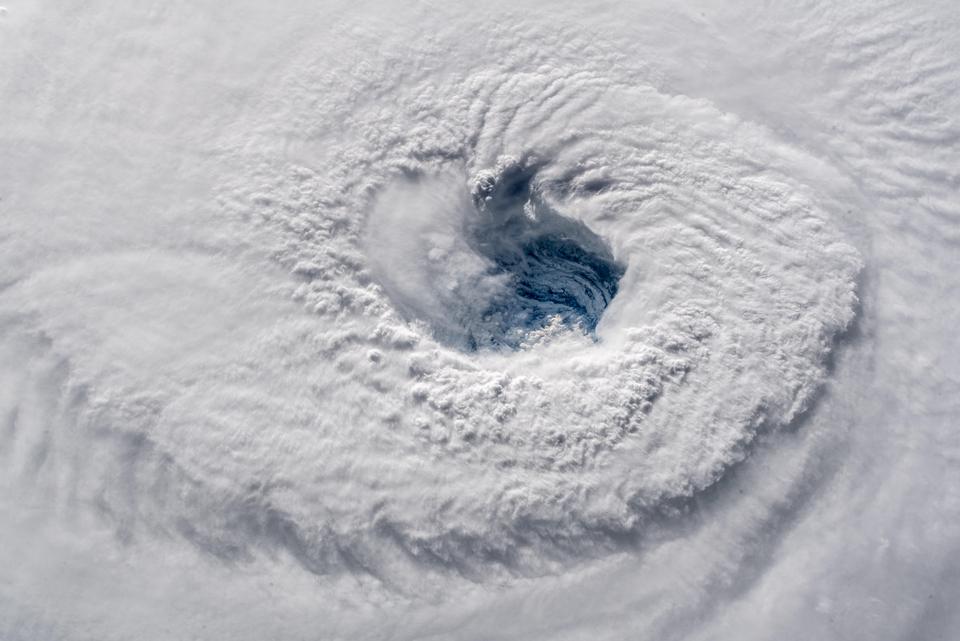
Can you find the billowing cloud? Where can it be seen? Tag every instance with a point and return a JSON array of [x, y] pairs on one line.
[[451, 322]]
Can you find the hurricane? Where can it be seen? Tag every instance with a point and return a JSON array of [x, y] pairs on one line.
[[371, 320]]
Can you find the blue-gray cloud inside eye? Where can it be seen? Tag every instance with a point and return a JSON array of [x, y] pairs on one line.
[[556, 268], [486, 267]]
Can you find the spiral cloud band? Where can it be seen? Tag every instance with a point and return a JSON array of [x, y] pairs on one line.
[[360, 320]]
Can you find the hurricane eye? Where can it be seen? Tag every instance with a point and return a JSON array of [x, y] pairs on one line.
[[556, 269], [487, 272]]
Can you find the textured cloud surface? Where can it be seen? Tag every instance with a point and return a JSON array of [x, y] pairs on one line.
[[376, 320]]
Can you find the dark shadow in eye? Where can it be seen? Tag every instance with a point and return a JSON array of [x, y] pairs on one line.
[[557, 268], [596, 186]]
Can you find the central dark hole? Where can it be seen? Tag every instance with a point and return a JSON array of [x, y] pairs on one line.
[[556, 268]]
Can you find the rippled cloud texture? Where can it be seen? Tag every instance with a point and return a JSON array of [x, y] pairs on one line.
[[328, 320]]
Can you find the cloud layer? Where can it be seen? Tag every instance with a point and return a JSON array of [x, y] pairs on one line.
[[555, 325]]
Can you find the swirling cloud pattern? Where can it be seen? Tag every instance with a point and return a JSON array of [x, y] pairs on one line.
[[359, 320]]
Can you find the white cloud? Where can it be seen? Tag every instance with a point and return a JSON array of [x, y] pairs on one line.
[[241, 249]]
